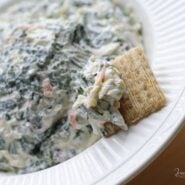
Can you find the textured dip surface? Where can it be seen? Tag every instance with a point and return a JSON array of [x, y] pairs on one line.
[[56, 84]]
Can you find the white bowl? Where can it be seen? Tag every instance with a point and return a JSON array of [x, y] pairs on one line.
[[122, 156]]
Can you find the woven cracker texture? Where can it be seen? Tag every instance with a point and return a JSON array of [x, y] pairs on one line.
[[143, 94]]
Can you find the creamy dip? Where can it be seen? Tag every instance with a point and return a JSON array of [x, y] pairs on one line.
[[57, 85]]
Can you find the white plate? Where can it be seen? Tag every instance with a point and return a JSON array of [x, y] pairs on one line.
[[119, 158]]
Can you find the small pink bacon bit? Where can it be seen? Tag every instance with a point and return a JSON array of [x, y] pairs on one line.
[[101, 75], [47, 88], [72, 118]]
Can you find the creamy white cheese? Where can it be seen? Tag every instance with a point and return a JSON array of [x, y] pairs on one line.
[[54, 54]]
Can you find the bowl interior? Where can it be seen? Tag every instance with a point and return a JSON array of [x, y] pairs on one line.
[[128, 151]]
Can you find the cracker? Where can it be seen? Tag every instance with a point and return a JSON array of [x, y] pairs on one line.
[[110, 129], [143, 94]]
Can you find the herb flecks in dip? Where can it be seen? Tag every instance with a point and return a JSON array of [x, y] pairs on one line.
[[57, 85]]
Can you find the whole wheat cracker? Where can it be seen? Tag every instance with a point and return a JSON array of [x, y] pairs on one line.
[[110, 129], [143, 94]]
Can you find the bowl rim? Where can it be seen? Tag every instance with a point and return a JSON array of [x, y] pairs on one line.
[[116, 176]]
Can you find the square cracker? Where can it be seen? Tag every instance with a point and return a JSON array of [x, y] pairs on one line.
[[143, 94], [110, 129]]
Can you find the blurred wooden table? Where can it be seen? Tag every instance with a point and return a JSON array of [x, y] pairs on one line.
[[168, 168]]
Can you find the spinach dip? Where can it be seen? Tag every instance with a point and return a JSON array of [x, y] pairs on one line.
[[57, 84]]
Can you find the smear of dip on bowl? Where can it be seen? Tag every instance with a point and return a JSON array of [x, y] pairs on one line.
[[54, 56]]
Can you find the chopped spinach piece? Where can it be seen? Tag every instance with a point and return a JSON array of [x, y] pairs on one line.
[[7, 105], [78, 34]]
